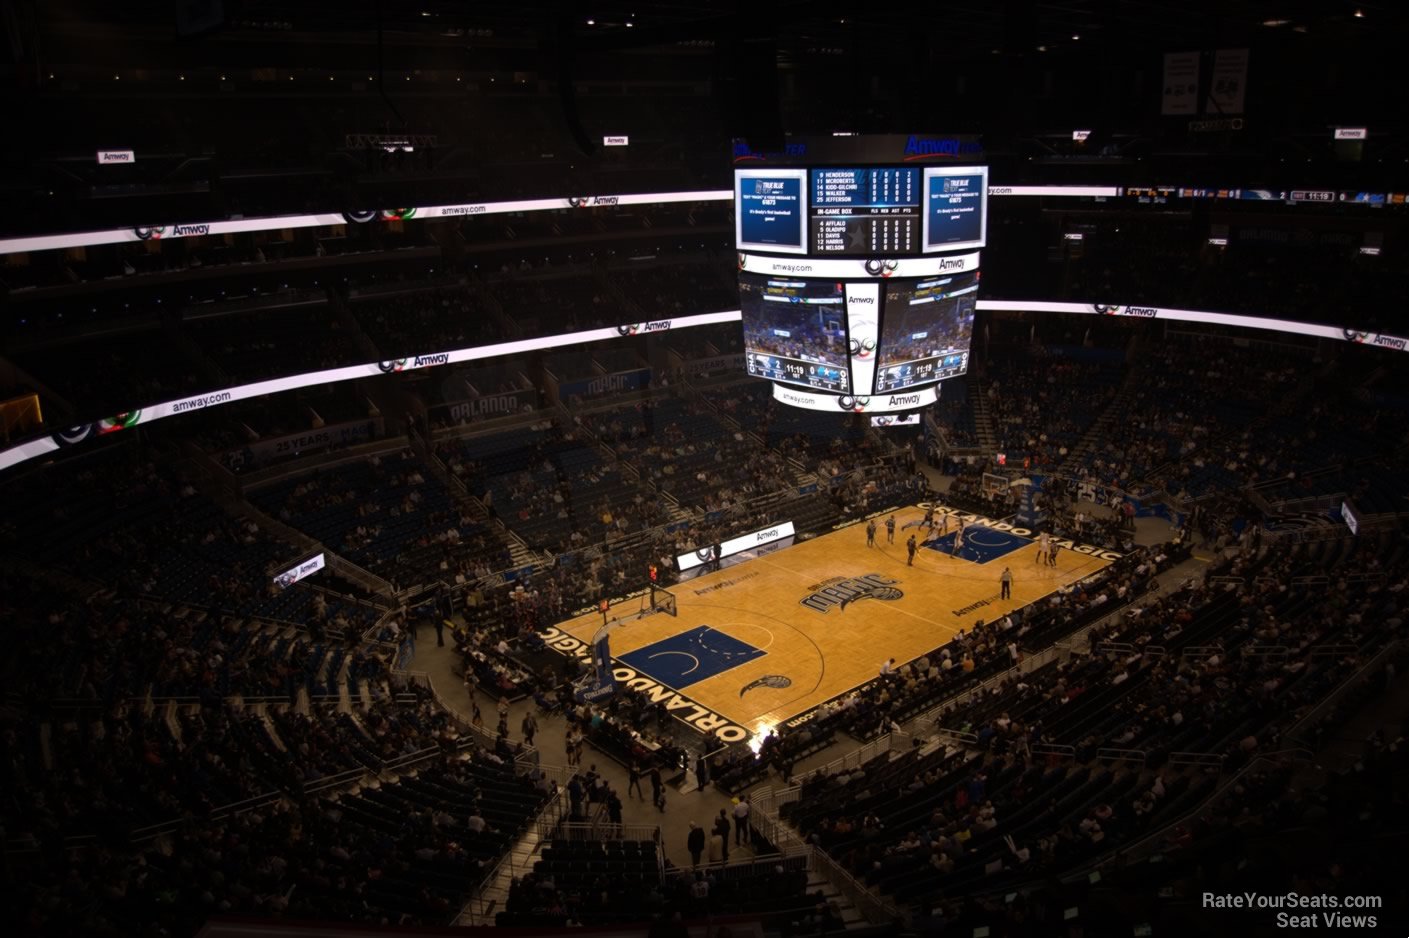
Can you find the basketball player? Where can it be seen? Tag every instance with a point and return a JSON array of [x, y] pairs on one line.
[[1044, 547], [929, 517], [1052, 555], [943, 525], [890, 530], [958, 540], [911, 547], [871, 533]]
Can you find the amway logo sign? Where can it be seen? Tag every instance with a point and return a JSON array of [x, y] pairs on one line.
[[922, 146], [1143, 311], [426, 361], [904, 400], [1389, 341], [863, 300], [766, 535], [952, 264]]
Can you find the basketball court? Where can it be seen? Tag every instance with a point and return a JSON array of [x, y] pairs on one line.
[[767, 639]]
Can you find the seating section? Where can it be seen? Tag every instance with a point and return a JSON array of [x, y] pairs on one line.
[[554, 487], [685, 450], [1042, 407], [598, 883], [667, 290], [407, 852], [258, 344], [133, 370], [955, 414], [623, 881], [390, 514], [564, 303], [426, 321], [1214, 672]]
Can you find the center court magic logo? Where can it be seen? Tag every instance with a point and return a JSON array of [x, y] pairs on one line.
[[843, 591]]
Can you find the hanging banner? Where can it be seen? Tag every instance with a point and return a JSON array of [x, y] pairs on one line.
[[488, 406], [1181, 83], [265, 451], [697, 367], [605, 384], [1228, 83]]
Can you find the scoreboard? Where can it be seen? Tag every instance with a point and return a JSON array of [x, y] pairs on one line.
[[865, 211], [859, 274]]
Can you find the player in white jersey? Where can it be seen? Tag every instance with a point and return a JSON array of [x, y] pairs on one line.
[[1044, 546]]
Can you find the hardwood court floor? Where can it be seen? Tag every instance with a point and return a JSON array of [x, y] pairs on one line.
[[768, 617]]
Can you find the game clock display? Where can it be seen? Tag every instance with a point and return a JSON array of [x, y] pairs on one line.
[[926, 331], [795, 331]]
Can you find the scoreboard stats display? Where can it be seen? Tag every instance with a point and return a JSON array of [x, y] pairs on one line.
[[859, 268], [865, 211], [888, 211]]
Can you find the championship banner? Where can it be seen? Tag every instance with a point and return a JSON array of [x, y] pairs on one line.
[[1181, 83], [606, 384], [491, 405], [261, 452], [719, 363], [1228, 84]]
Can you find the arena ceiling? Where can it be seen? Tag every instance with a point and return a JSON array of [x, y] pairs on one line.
[[972, 27]]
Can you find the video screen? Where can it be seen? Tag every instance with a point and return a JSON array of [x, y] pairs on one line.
[[769, 208], [956, 199], [896, 420], [795, 331], [926, 329]]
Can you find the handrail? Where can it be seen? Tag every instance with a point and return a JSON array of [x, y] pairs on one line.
[[1146, 844], [857, 757], [605, 830], [876, 910], [1213, 759], [1300, 730], [955, 737], [332, 781], [1111, 754]]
